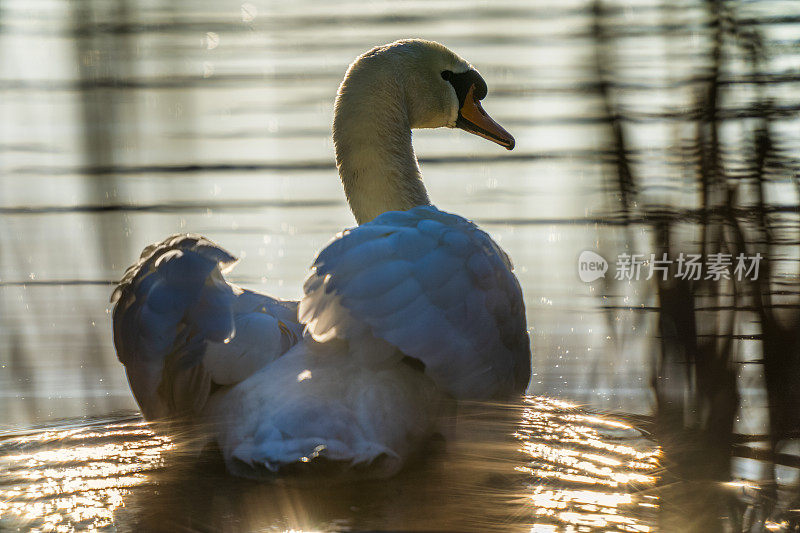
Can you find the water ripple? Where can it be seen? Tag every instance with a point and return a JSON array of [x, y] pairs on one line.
[[543, 465]]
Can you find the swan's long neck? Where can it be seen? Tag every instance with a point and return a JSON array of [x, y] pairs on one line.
[[372, 137]]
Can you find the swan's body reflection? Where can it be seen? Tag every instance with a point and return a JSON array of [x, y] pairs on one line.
[[542, 465]]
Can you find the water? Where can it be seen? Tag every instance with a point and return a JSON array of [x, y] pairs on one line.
[[125, 122], [562, 466]]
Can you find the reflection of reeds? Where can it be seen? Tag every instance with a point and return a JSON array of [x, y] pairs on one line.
[[100, 57], [695, 377]]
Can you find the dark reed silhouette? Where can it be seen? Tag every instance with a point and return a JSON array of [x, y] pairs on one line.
[[701, 322]]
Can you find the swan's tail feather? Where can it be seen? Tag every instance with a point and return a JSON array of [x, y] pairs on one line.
[[287, 456], [310, 438], [168, 305], [322, 409]]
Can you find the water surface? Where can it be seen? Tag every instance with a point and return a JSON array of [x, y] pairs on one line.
[[537, 466], [127, 121]]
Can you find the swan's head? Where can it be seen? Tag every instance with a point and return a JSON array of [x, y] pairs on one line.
[[437, 88]]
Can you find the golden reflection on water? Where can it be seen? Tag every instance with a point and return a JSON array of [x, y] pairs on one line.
[[587, 471], [74, 479], [559, 469]]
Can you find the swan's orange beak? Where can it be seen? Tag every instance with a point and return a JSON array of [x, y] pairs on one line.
[[472, 118]]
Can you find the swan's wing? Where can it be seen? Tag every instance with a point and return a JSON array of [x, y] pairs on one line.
[[433, 285], [265, 328], [180, 329]]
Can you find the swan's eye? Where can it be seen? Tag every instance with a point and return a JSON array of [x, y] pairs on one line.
[[447, 75]]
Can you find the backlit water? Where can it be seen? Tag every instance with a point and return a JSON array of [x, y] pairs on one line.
[[123, 122]]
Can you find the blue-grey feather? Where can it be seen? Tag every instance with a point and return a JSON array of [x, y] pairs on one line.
[[436, 287]]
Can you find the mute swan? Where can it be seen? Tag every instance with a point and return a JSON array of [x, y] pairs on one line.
[[412, 306]]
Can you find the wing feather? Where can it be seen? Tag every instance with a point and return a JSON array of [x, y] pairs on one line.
[[180, 328], [433, 285]]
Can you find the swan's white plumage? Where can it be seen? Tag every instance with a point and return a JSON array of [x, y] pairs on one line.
[[434, 286], [318, 400], [410, 307]]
